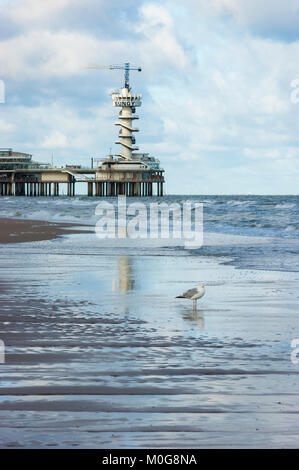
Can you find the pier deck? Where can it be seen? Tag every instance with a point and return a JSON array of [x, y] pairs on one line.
[[46, 182]]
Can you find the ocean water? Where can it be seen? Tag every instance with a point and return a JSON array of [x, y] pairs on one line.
[[260, 232]]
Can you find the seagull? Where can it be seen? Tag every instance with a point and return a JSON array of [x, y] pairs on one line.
[[193, 294]]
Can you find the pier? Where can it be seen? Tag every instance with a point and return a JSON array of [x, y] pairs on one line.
[[125, 173], [100, 182]]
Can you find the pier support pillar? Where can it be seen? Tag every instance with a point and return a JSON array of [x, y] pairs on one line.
[[90, 189]]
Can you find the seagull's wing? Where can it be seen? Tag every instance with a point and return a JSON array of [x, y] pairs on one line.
[[189, 293]]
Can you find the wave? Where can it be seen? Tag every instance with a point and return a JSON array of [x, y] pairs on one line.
[[291, 228], [285, 206], [239, 203]]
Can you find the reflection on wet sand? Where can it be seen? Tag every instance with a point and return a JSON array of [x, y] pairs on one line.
[[195, 316], [124, 283], [89, 367]]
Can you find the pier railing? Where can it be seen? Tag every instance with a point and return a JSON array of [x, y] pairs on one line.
[[40, 182]]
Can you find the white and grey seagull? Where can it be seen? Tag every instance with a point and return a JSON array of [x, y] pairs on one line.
[[193, 294]]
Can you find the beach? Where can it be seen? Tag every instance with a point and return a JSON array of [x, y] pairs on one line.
[[22, 231], [100, 354]]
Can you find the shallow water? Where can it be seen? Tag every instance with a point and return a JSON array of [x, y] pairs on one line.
[[99, 353]]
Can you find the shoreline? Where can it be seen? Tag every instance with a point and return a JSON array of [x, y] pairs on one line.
[[26, 230]]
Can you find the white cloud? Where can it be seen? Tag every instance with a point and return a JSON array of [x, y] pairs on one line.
[[268, 12], [159, 45], [283, 153], [267, 17], [43, 129], [6, 127], [41, 54], [34, 10]]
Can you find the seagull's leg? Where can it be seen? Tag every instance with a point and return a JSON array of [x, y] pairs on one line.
[[194, 304]]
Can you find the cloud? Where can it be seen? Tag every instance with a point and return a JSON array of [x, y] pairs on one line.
[[6, 127], [32, 11], [159, 44], [40, 54], [55, 140], [270, 18]]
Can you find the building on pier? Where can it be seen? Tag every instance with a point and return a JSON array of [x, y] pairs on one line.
[[10, 160]]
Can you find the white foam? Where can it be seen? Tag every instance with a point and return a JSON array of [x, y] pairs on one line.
[[285, 206]]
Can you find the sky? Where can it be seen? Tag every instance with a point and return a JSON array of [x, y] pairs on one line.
[[220, 86]]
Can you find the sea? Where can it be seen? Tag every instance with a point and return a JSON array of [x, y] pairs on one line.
[[260, 232]]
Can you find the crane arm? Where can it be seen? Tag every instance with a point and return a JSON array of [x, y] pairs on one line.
[[112, 67], [100, 67], [126, 67]]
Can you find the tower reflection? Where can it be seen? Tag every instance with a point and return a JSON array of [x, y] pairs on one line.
[[124, 283]]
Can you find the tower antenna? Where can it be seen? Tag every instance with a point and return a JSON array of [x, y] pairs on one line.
[[126, 67]]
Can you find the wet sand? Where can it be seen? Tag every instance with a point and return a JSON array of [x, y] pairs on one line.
[[100, 354], [21, 231]]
